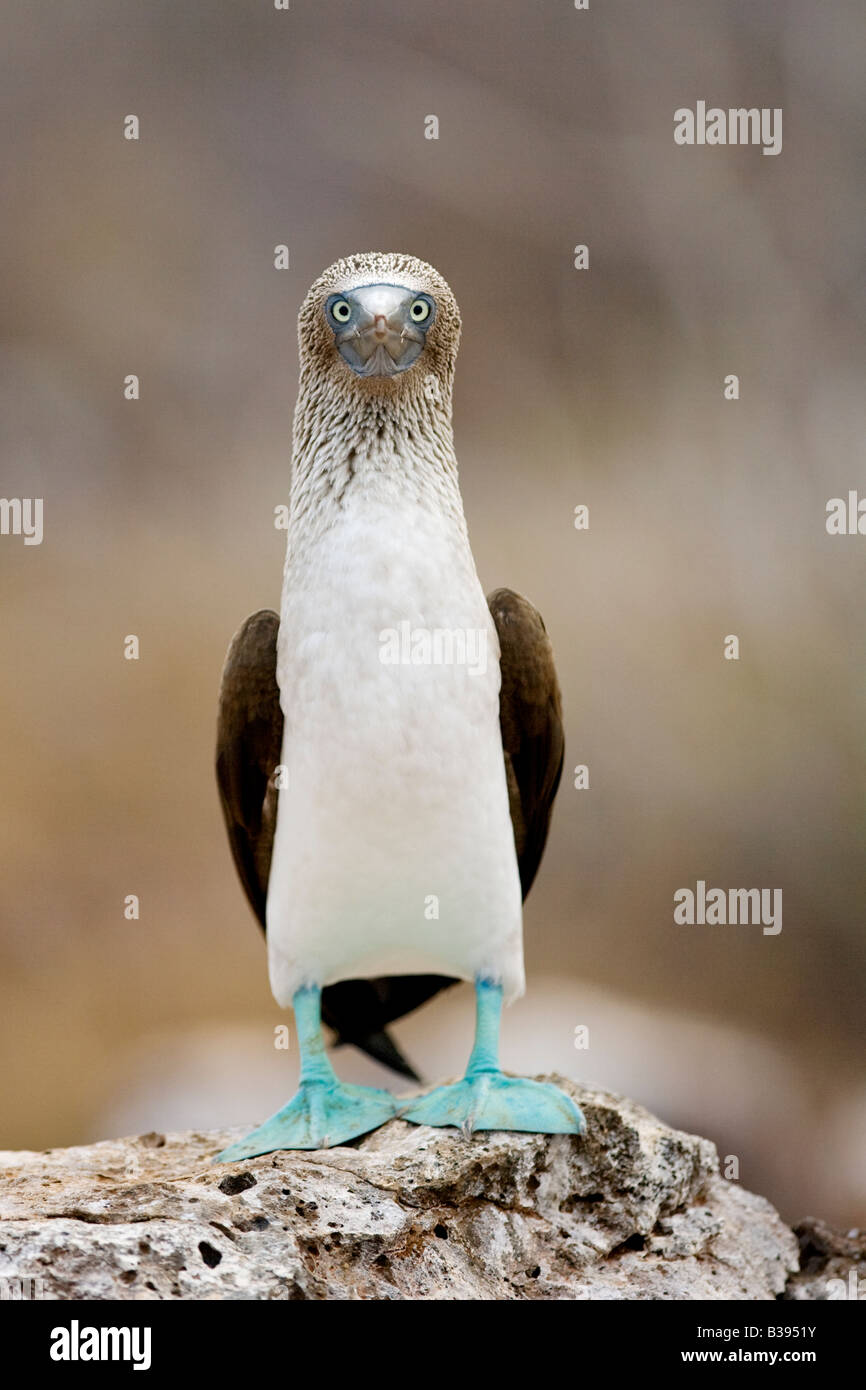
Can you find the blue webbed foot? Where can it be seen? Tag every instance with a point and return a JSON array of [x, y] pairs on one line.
[[491, 1100], [488, 1099], [320, 1115]]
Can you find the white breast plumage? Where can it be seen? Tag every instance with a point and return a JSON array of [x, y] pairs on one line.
[[394, 851]]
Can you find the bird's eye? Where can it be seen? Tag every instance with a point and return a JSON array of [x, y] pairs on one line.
[[341, 310], [419, 311]]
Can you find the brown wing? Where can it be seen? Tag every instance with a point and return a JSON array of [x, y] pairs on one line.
[[249, 743], [249, 738], [530, 717]]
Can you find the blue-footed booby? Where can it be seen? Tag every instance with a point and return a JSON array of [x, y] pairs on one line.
[[415, 724]]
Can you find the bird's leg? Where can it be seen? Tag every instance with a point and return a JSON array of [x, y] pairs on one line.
[[324, 1111], [488, 1099]]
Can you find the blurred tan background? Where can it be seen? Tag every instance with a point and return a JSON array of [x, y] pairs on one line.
[[601, 387]]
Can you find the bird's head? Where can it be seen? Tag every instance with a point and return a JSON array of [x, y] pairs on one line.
[[380, 323]]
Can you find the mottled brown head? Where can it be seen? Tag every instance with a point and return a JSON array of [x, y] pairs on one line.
[[380, 325]]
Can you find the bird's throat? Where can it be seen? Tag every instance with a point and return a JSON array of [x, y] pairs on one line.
[[395, 447]]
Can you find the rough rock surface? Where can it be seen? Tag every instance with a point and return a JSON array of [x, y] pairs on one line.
[[832, 1265], [633, 1210]]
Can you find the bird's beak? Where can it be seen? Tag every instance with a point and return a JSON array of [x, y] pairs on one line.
[[381, 341]]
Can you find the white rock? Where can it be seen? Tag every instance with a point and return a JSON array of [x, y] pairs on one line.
[[633, 1210]]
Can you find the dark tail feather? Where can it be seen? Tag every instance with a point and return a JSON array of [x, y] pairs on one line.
[[359, 1012], [382, 1048]]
